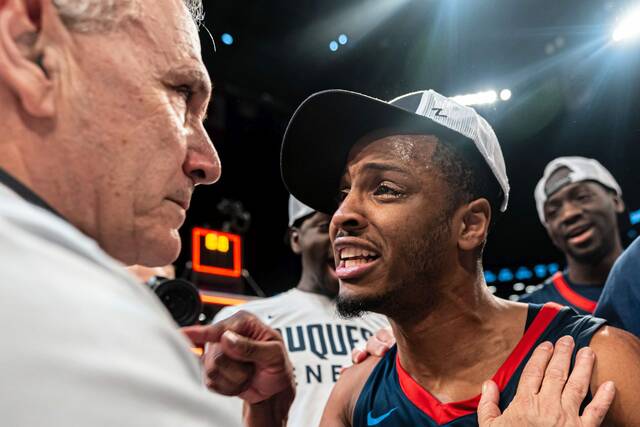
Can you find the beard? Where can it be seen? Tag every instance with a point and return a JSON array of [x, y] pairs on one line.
[[350, 307], [412, 283]]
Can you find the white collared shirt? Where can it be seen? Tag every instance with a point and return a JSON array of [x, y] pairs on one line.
[[83, 343]]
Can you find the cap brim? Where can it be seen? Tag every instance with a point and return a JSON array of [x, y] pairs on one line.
[[322, 132]]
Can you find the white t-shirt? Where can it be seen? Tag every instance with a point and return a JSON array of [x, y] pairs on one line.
[[83, 343], [318, 341]]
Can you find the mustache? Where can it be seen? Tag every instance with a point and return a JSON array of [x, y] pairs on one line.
[[345, 233], [341, 233]]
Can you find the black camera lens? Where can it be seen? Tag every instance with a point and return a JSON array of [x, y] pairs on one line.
[[180, 297]]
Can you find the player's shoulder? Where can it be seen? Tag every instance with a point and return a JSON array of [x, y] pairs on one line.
[[359, 373], [609, 342], [346, 392], [354, 378], [617, 353]]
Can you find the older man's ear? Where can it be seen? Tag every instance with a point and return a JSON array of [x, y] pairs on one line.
[[25, 54]]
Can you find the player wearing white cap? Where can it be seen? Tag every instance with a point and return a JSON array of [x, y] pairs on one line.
[[414, 184], [578, 202], [319, 343]]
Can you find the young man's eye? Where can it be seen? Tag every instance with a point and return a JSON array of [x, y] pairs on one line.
[[386, 190], [342, 195]]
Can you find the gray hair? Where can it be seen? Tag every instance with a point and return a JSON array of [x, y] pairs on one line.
[[91, 15]]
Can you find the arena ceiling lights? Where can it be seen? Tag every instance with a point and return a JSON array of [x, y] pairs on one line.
[[483, 98], [628, 27]]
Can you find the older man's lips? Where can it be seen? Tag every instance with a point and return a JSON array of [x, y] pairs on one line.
[[184, 204]]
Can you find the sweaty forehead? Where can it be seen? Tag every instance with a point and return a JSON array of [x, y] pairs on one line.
[[402, 150]]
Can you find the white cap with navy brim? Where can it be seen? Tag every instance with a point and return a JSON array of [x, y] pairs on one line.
[[581, 169]]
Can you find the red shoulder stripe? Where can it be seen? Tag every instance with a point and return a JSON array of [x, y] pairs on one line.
[[572, 296], [443, 413], [547, 313]]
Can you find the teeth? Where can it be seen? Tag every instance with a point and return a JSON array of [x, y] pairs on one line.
[[353, 252], [354, 262], [349, 252]]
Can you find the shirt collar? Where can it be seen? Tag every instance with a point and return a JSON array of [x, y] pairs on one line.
[[25, 192]]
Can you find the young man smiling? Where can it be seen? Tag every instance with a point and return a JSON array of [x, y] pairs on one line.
[[419, 179], [578, 202]]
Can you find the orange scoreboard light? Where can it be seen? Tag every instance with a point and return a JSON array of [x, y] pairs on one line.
[[216, 252]]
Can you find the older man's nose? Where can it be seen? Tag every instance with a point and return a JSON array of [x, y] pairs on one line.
[[202, 163]]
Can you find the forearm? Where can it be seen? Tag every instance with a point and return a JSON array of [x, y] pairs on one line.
[[272, 412]]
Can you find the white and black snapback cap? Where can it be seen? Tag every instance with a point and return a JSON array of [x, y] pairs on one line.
[[326, 125]]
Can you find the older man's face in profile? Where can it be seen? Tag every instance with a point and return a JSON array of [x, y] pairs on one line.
[[133, 106]]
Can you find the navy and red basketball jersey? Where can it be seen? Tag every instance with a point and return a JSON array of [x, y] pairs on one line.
[[391, 398], [559, 289]]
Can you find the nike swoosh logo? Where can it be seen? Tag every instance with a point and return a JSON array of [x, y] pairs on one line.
[[371, 421]]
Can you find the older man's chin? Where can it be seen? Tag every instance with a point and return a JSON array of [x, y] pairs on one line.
[[162, 252], [154, 250]]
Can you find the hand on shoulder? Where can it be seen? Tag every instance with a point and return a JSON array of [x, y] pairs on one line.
[[549, 393]]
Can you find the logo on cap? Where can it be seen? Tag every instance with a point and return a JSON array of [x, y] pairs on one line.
[[439, 112]]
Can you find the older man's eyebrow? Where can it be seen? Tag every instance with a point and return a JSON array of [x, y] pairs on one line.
[[192, 75], [201, 80]]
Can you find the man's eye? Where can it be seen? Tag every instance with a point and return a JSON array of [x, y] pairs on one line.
[[583, 197], [386, 190], [551, 211], [343, 195], [185, 91]]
